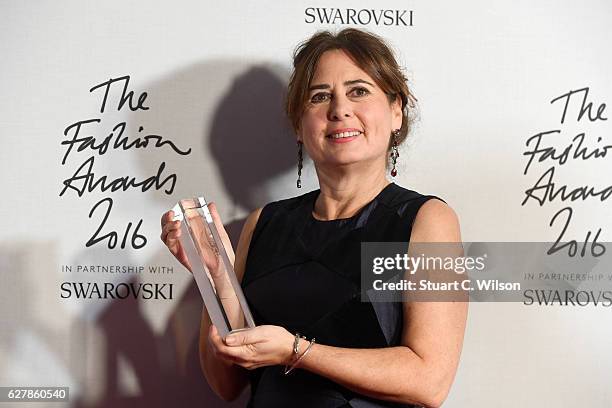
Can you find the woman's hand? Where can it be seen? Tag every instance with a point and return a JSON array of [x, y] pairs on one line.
[[253, 348], [170, 234]]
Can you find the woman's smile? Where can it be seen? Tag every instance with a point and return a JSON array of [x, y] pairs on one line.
[[343, 135]]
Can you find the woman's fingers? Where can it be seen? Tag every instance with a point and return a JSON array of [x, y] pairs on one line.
[[167, 217], [243, 337], [170, 230], [170, 235], [256, 347], [220, 350], [213, 333], [174, 232], [222, 232]]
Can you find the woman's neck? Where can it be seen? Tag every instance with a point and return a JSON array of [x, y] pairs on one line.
[[344, 195]]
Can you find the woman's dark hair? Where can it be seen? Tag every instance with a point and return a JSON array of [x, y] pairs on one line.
[[369, 52]]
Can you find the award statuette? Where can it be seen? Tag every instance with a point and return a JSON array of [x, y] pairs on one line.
[[211, 267]]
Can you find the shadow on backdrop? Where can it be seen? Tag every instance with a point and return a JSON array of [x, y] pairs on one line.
[[231, 115]]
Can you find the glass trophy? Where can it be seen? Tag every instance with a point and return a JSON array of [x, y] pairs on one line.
[[211, 267]]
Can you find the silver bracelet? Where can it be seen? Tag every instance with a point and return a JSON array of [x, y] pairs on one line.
[[296, 351], [294, 365]]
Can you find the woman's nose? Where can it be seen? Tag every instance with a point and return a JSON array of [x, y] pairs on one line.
[[339, 108]]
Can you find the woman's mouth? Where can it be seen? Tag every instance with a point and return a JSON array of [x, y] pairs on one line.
[[343, 137]]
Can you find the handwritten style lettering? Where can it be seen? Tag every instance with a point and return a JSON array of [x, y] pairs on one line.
[[126, 97], [113, 140], [547, 190], [80, 137], [84, 181], [575, 150], [551, 191], [585, 107]]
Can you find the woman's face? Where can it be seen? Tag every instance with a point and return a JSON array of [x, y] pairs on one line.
[[347, 118]]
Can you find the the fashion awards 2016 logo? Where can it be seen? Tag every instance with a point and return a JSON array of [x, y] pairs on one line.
[[364, 17]]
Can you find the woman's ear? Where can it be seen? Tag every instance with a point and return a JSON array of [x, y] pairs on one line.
[[298, 134], [396, 112]]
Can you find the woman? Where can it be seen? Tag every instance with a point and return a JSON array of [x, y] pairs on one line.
[[298, 259]]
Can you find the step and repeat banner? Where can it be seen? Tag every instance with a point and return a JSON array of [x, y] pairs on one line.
[[113, 111]]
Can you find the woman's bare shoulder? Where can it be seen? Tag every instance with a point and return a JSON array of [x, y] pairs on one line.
[[436, 221], [251, 220], [245, 241]]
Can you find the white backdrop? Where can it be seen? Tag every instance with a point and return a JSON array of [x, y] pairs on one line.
[[215, 75]]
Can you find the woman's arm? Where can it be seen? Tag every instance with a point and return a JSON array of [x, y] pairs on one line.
[[420, 371], [225, 378]]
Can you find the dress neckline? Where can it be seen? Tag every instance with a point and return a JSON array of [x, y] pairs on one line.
[[336, 220]]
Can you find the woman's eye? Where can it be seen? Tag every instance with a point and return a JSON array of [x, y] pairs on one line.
[[360, 91], [320, 97], [323, 96]]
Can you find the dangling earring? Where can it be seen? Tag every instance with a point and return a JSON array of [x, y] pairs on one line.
[[394, 152], [299, 179]]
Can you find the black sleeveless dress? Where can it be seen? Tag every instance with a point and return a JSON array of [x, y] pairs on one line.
[[304, 274]]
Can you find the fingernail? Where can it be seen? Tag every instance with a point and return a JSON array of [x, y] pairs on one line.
[[230, 340]]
